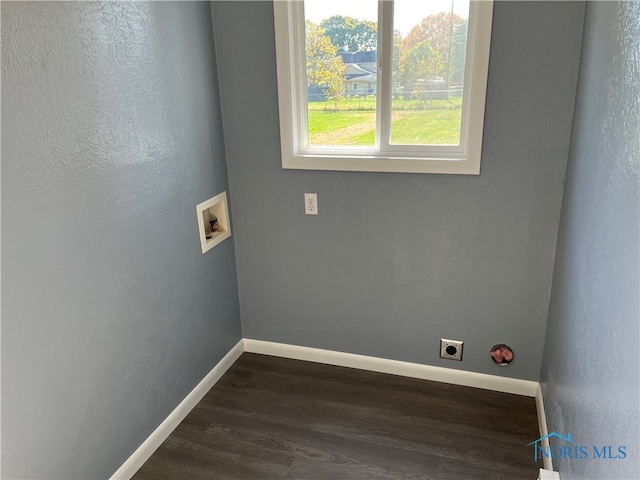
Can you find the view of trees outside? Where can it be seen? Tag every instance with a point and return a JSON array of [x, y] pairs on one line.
[[428, 72], [325, 69], [351, 35]]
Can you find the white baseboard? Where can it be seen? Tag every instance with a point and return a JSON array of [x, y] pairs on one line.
[[542, 425], [548, 475], [160, 434], [414, 370]]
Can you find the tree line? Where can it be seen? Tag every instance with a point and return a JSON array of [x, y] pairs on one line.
[[435, 47]]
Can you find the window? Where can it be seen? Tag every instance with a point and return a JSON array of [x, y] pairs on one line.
[[389, 86]]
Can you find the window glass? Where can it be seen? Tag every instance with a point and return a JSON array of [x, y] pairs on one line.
[[341, 44], [428, 71]]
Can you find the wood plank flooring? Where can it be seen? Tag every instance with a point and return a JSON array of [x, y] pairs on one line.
[[274, 418]]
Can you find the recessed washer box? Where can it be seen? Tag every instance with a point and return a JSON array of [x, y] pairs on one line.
[[217, 208]]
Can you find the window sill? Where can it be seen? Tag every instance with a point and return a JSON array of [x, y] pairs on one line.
[[370, 163]]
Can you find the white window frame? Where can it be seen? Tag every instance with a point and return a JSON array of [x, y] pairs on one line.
[[292, 92]]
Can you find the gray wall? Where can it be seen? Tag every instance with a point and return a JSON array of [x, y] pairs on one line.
[[393, 262], [111, 135], [590, 364]]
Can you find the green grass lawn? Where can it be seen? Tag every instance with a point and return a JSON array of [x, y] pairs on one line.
[[342, 127], [414, 123], [426, 127]]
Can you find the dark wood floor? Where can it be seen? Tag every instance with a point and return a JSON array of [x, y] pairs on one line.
[[274, 418]]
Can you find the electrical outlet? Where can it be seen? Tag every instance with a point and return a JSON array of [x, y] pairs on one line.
[[311, 203], [451, 349]]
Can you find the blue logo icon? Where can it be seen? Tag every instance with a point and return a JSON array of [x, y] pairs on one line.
[[568, 448]]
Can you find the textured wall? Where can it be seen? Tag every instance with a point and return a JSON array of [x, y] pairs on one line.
[[110, 313], [590, 367], [393, 262]]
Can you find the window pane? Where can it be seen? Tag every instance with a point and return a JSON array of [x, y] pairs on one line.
[[428, 73], [341, 43]]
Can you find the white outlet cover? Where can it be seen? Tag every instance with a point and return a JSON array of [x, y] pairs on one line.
[[444, 343], [311, 204]]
